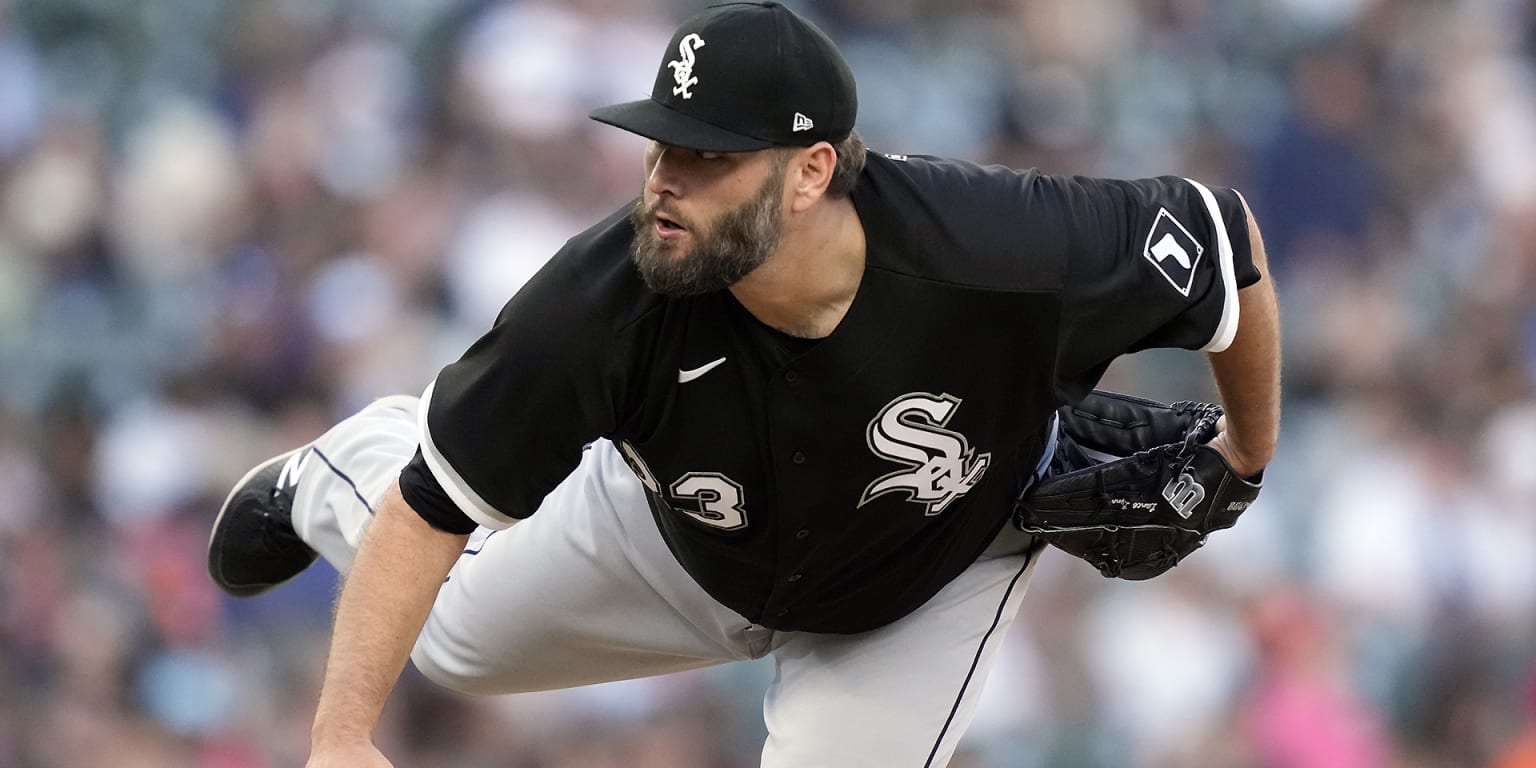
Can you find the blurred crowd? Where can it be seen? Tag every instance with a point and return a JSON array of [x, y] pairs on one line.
[[225, 224]]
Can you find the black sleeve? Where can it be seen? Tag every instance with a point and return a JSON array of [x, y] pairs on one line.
[[428, 499], [504, 424], [1147, 263]]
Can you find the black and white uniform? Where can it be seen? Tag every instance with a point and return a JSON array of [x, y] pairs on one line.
[[840, 503]]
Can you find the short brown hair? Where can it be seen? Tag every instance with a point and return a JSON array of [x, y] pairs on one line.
[[850, 164]]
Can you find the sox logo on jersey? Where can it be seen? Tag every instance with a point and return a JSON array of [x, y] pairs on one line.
[[942, 465]]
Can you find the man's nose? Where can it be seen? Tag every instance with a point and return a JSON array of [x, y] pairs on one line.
[[662, 177]]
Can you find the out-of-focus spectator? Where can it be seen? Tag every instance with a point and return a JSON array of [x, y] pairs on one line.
[[1300, 712], [1520, 752]]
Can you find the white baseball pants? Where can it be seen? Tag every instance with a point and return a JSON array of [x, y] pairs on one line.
[[586, 591]]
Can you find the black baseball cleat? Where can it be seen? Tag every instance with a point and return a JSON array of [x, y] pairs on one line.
[[253, 547]]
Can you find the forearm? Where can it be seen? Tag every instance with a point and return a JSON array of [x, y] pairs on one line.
[[385, 601], [1247, 373]]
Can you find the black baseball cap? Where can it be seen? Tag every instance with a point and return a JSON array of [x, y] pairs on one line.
[[744, 76]]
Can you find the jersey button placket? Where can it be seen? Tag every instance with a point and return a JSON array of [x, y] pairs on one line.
[[792, 379]]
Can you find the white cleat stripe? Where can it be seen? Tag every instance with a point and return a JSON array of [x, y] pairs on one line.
[[292, 468]]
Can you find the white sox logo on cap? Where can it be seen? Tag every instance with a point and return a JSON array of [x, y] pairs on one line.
[[682, 68]]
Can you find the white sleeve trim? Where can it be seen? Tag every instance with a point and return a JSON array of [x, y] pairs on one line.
[[1227, 328], [469, 502]]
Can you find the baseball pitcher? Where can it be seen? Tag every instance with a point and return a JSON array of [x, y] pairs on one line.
[[798, 400]]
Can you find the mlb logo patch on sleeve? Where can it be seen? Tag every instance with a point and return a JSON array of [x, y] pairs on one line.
[[1173, 250]]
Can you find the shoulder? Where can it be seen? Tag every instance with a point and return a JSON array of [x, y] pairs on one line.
[[957, 221], [942, 179]]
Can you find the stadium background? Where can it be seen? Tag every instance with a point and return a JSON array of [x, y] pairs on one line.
[[225, 224]]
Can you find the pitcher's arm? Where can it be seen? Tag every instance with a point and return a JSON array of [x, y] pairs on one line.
[[384, 604], [1247, 372]]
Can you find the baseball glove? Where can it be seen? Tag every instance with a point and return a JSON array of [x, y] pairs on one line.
[[1133, 488]]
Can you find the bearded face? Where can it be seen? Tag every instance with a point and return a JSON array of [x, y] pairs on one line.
[[716, 254]]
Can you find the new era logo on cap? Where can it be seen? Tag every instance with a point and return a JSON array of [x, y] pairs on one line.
[[731, 74]]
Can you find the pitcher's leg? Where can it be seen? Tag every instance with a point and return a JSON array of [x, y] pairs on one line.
[[584, 591], [347, 470], [900, 696], [315, 498]]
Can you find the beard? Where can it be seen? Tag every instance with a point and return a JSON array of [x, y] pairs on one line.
[[739, 241]]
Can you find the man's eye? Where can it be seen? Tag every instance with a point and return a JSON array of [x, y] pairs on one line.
[[702, 155]]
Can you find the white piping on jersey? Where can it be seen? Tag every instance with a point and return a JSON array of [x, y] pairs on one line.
[[683, 377], [1227, 328], [465, 497]]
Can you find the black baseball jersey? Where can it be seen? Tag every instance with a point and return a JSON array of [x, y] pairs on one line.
[[835, 485]]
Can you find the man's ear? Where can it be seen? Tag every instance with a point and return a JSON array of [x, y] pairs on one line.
[[811, 170]]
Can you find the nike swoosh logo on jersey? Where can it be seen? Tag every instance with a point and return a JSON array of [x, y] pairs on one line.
[[683, 377]]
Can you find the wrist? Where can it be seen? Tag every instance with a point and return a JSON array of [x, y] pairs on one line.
[[1245, 463], [325, 734], [1252, 457]]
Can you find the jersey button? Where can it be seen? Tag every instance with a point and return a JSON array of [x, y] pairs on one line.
[[792, 376], [798, 457], [796, 577], [803, 533], [782, 612]]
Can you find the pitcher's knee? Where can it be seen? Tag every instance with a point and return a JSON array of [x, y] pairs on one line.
[[454, 677]]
